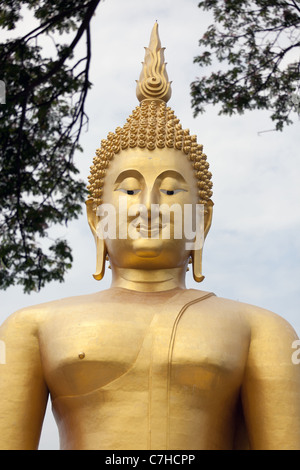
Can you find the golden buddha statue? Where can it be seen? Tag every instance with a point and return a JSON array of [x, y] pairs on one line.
[[147, 363]]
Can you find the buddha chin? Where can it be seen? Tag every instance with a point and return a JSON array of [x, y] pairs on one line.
[[147, 248]]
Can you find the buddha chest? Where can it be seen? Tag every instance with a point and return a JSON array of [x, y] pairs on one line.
[[196, 349], [160, 368]]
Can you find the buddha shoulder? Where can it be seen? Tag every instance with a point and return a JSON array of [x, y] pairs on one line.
[[263, 325], [269, 328], [34, 317], [240, 317]]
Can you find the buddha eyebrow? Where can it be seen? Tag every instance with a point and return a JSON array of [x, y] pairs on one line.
[[128, 174], [172, 174]]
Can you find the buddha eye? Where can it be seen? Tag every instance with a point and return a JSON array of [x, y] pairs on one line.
[[129, 192], [171, 192]]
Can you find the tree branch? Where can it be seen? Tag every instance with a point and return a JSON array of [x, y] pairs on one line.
[[294, 5], [18, 165], [59, 63]]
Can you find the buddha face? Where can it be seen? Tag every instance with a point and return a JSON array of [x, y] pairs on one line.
[[139, 180]]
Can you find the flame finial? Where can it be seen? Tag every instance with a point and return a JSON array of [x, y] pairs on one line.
[[154, 82]]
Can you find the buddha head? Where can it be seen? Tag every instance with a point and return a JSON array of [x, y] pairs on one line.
[[149, 165]]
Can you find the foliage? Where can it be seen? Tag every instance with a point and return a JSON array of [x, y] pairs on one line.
[[258, 44], [40, 127]]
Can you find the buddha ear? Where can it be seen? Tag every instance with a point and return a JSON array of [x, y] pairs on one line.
[[197, 254], [93, 221]]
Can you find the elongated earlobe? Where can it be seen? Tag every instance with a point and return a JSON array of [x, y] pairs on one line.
[[197, 254], [100, 259], [100, 243], [197, 265]]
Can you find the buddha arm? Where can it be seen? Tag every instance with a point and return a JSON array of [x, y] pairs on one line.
[[271, 387], [23, 392]]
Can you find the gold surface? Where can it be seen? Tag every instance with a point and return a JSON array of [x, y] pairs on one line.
[[154, 82], [147, 363]]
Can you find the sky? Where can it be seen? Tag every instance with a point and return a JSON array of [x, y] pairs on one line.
[[252, 253]]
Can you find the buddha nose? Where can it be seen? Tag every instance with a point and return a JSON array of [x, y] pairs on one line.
[[150, 201]]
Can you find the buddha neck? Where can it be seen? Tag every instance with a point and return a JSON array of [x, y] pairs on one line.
[[148, 280]]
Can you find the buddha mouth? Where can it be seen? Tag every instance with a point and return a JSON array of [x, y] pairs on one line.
[[150, 231]]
